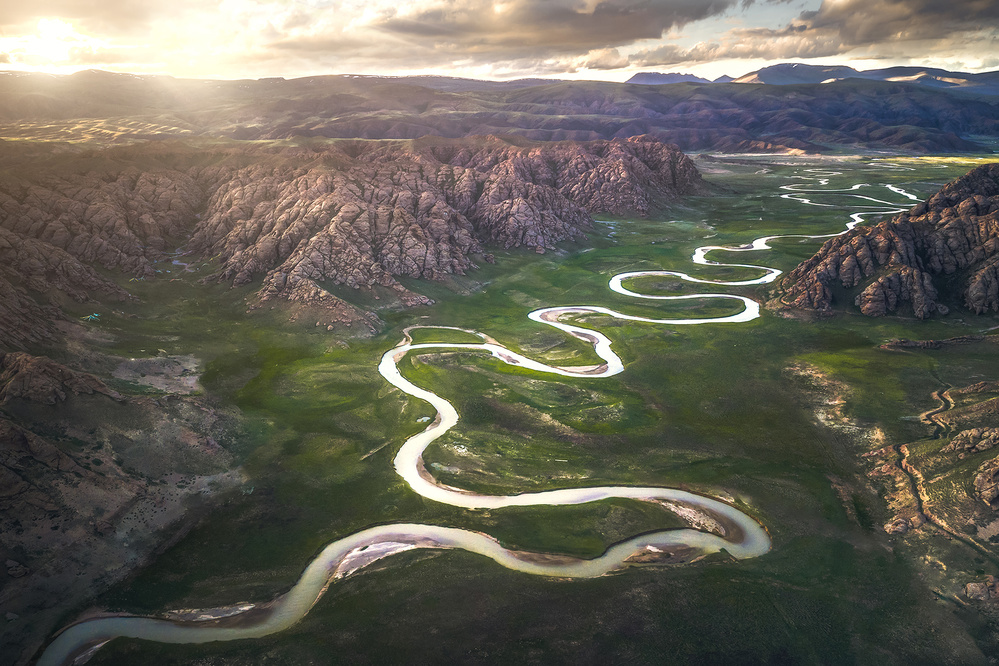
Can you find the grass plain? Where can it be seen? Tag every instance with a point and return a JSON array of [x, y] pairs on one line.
[[713, 408]]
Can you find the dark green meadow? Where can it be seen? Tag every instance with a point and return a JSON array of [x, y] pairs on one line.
[[713, 408]]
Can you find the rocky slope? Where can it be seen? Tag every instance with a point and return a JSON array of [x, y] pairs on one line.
[[93, 480], [944, 250], [423, 210], [91, 483], [729, 117], [973, 440], [352, 213], [57, 230], [27, 377]]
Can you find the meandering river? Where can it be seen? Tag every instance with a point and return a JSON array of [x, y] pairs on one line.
[[716, 525]]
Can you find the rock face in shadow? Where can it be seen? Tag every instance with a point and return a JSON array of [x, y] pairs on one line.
[[117, 220], [22, 320], [351, 213], [55, 231], [946, 248], [91, 481], [987, 483], [39, 379]]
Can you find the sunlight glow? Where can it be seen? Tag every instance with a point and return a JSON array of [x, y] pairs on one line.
[[54, 42]]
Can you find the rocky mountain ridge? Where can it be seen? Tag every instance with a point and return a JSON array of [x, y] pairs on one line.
[[943, 249], [801, 73], [901, 115], [666, 78], [351, 213]]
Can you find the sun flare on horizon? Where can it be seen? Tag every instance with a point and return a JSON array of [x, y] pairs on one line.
[[55, 43]]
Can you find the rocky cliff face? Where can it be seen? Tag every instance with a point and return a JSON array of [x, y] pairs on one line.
[[354, 213], [55, 231], [944, 249], [973, 440], [422, 210]]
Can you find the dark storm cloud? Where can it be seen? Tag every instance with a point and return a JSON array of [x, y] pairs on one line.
[[841, 26], [547, 36], [867, 22], [558, 27]]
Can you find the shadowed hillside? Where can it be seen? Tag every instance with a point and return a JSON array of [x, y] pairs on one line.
[[944, 250], [850, 113]]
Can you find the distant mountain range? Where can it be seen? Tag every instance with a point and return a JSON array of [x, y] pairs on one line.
[[986, 83], [662, 78], [909, 110]]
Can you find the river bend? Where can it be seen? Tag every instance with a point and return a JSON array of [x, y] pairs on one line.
[[719, 525]]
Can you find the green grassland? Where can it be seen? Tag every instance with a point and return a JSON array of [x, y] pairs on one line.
[[710, 408]]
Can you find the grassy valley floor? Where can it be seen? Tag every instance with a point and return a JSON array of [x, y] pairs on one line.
[[775, 414]]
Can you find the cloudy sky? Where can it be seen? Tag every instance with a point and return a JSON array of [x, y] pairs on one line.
[[497, 39]]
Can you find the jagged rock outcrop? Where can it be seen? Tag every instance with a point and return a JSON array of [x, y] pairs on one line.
[[334, 310], [39, 379], [979, 387], [23, 321], [353, 213], [423, 209], [987, 590], [987, 483], [900, 261], [974, 440], [122, 219], [54, 231]]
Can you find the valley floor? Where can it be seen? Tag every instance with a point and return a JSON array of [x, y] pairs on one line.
[[842, 441]]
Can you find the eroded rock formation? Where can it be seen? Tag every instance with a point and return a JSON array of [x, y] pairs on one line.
[[986, 590], [39, 379], [973, 440], [902, 261], [353, 213], [423, 209], [987, 483]]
